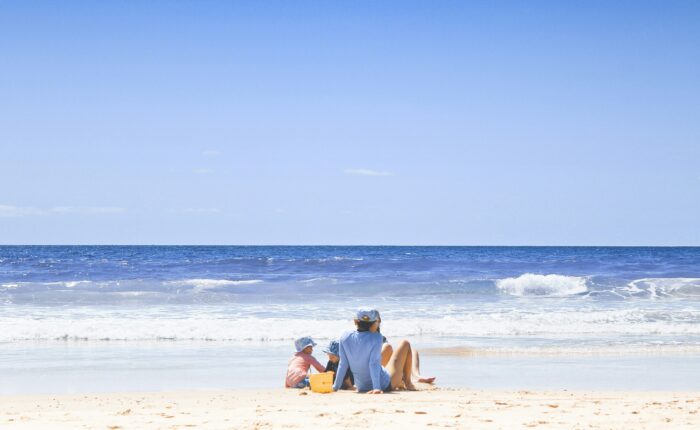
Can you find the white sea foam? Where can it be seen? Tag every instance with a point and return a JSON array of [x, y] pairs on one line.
[[207, 284], [221, 324], [321, 280], [60, 284], [73, 284], [530, 284], [665, 287], [50, 285], [197, 284]]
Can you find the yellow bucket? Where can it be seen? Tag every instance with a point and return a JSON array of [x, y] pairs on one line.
[[321, 382]]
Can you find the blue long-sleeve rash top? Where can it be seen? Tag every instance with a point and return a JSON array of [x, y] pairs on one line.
[[362, 352]]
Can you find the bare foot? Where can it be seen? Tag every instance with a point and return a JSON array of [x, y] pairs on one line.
[[404, 387], [425, 380]]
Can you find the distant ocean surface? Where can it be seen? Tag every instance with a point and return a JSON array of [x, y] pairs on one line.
[[500, 298]]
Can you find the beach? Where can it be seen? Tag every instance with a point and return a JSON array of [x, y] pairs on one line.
[[206, 202], [184, 337], [280, 408]]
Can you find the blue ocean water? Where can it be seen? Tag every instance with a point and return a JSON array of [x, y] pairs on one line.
[[486, 297], [106, 318]]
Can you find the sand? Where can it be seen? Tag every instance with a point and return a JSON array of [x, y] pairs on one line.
[[288, 409]]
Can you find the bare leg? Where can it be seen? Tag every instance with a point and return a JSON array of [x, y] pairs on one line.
[[416, 363], [407, 369], [387, 350], [400, 366], [415, 372]]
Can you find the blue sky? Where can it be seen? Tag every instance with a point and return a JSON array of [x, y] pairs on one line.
[[455, 123]]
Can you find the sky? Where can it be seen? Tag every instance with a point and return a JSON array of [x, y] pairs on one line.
[[356, 122]]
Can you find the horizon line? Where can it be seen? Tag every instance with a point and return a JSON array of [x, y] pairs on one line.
[[349, 245]]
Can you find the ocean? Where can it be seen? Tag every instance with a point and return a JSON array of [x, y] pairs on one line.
[[124, 317]]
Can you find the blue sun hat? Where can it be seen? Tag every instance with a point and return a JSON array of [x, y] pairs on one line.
[[367, 315], [303, 342], [333, 348]]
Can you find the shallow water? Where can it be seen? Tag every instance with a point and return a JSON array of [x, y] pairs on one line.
[[50, 367]]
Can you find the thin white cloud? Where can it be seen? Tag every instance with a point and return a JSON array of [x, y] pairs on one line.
[[201, 210], [210, 152], [8, 211], [202, 171], [367, 172], [86, 210]]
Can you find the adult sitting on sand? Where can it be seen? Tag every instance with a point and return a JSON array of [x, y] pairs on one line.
[[361, 350], [388, 350]]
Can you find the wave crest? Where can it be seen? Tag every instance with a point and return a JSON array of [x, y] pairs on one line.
[[206, 284], [665, 287], [530, 284]]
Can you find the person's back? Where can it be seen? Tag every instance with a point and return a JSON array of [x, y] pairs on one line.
[[361, 352]]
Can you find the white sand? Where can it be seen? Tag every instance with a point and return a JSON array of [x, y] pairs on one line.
[[282, 408]]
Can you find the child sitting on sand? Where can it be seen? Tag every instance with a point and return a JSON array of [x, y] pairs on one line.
[[333, 358], [300, 363]]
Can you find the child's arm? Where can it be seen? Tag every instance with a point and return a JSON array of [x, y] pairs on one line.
[[318, 366]]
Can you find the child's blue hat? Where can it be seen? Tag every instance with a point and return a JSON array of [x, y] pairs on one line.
[[367, 315], [333, 348], [303, 342]]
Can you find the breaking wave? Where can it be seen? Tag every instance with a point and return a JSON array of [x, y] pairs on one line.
[[530, 284], [665, 287], [283, 324], [208, 284]]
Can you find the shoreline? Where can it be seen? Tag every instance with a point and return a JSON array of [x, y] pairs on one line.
[[134, 367], [289, 408], [597, 351]]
